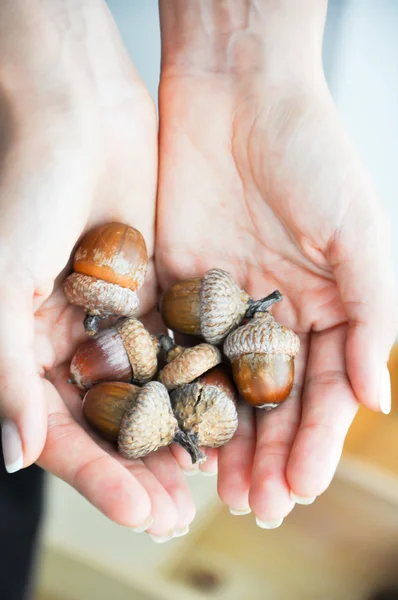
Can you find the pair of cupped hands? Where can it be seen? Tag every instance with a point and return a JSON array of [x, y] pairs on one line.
[[250, 175]]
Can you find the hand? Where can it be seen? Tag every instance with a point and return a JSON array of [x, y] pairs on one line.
[[79, 137], [257, 177]]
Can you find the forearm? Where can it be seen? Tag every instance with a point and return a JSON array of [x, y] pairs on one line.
[[277, 37], [59, 52]]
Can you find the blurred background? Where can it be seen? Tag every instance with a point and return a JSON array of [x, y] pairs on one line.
[[344, 546]]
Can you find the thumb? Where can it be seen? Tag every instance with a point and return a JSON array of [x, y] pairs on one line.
[[362, 261], [23, 411]]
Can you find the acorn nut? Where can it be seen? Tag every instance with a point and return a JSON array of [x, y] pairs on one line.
[[186, 364], [209, 307], [104, 406], [262, 354], [109, 267], [149, 424], [206, 410], [125, 352]]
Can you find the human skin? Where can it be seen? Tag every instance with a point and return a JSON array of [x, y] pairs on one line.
[[257, 176], [78, 148]]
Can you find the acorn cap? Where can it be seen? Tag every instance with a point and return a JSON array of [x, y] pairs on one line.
[[222, 307], [261, 335], [142, 349], [99, 297], [189, 365], [148, 424], [206, 412]]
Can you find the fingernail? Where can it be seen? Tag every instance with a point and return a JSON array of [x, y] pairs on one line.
[[385, 392], [12, 446], [146, 525], [209, 473], [270, 524], [194, 471], [240, 513], [161, 539], [181, 532], [305, 501]]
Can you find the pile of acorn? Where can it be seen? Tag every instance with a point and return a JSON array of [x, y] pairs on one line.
[[144, 391]]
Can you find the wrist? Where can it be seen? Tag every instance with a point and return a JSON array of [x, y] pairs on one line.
[[276, 40]]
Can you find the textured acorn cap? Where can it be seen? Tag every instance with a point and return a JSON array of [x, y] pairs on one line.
[[189, 365], [142, 349], [148, 424], [261, 335], [222, 305], [99, 297], [206, 412]]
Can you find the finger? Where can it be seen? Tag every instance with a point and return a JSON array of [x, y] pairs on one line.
[[210, 466], [71, 454], [235, 461], [270, 497], [164, 511], [23, 408], [185, 462], [362, 261], [329, 407], [166, 469]]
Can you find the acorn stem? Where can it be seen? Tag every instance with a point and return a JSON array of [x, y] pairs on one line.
[[263, 304], [91, 324], [166, 343], [188, 442]]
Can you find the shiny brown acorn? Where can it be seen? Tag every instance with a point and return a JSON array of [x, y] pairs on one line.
[[206, 409], [109, 267], [186, 364], [262, 354], [149, 424], [210, 306], [125, 352], [104, 406]]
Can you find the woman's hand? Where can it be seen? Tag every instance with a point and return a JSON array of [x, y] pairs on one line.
[[258, 177], [79, 147]]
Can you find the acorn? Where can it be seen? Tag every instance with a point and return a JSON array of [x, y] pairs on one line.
[[149, 424], [262, 354], [186, 364], [218, 377], [206, 409], [125, 352], [109, 267], [140, 420], [210, 306], [104, 406]]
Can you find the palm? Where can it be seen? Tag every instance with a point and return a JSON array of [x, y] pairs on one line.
[[245, 198]]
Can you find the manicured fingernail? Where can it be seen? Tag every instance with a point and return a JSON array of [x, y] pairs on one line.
[[305, 501], [240, 513], [181, 532], [161, 539], [209, 473], [194, 471], [12, 446], [385, 392], [270, 524], [146, 525]]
